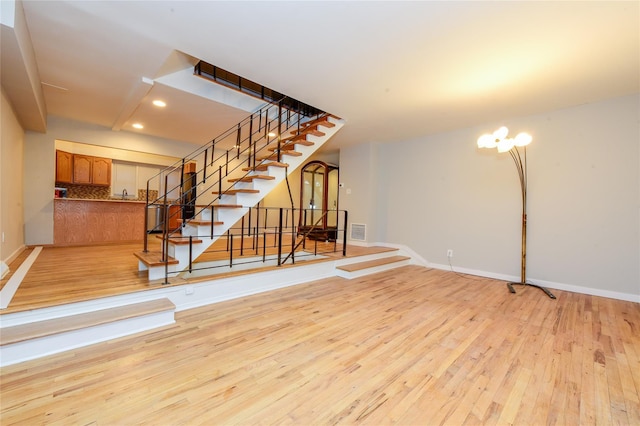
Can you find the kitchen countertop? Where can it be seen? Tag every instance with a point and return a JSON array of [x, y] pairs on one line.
[[100, 200]]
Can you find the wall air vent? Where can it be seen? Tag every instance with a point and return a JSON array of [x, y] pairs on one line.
[[358, 232]]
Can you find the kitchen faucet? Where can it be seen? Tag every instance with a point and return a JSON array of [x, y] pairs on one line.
[[124, 193]]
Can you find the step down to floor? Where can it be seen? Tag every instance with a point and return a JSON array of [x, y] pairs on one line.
[[355, 270], [36, 339], [155, 266]]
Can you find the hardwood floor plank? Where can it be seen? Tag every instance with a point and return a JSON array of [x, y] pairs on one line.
[[409, 346]]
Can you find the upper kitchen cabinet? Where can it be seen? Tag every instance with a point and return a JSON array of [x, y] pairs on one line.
[[64, 167], [82, 169], [101, 173]]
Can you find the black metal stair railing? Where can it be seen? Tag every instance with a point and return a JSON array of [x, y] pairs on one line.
[[267, 234], [249, 140]]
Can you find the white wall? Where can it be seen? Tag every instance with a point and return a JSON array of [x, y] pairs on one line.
[[441, 192], [39, 176], [11, 183], [363, 188]]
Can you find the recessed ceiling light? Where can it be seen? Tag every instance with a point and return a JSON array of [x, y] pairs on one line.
[[138, 126], [159, 103]]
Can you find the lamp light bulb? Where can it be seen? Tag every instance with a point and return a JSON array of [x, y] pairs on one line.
[[523, 139], [485, 140], [505, 145], [501, 133]]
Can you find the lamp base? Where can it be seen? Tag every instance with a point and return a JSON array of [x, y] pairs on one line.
[[548, 293]]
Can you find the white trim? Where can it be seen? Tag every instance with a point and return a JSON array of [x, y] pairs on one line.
[[10, 288], [629, 297], [13, 256]]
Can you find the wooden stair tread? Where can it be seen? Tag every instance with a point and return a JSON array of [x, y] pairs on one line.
[[290, 146], [179, 240], [310, 130], [237, 191], [265, 166], [251, 178], [275, 155], [199, 222], [322, 121], [23, 332], [227, 206], [154, 258], [296, 138], [372, 263]]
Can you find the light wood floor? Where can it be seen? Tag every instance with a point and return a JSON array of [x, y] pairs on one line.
[[73, 274], [410, 346]]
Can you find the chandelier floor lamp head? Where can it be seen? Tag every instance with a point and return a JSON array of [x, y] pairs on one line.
[[503, 143]]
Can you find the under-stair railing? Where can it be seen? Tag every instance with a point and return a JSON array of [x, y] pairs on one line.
[[250, 138], [264, 235]]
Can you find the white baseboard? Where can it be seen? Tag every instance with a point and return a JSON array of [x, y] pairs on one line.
[[4, 263], [629, 297]]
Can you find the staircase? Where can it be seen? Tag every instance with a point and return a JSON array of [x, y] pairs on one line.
[[234, 181]]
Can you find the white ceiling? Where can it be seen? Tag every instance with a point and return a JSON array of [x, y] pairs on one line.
[[394, 70]]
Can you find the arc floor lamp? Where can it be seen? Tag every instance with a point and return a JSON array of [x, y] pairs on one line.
[[500, 140]]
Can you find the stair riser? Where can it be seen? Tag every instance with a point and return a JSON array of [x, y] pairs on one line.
[[155, 272], [181, 252]]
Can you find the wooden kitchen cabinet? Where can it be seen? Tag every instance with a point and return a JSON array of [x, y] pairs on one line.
[[64, 167], [101, 171], [82, 169]]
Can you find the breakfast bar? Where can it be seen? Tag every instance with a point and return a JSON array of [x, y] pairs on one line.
[[97, 221]]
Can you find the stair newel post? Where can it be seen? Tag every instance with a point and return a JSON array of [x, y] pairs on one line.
[[146, 220], [279, 129], [165, 224], [264, 246], [293, 241], [212, 220], [226, 166], [344, 235], [230, 242], [190, 253], [165, 233], [280, 238], [251, 141], [242, 236]]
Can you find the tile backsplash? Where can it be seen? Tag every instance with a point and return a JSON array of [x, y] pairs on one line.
[[90, 192]]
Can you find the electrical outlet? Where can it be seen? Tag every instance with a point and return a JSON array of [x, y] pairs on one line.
[[450, 253]]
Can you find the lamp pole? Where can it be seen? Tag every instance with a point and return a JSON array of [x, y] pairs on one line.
[[499, 140]]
